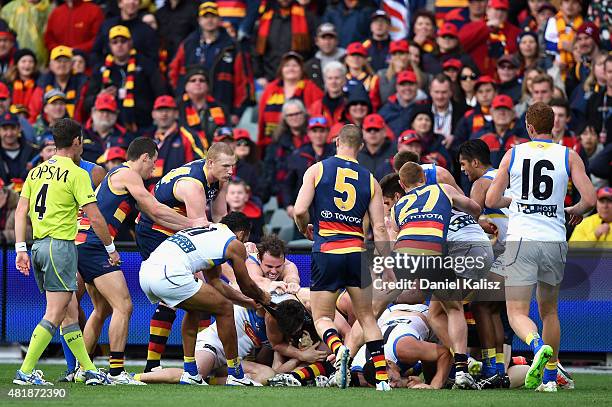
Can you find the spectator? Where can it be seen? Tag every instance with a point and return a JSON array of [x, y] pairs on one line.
[[589, 143], [560, 33], [47, 150], [22, 76], [474, 12], [360, 72], [198, 110], [542, 90], [7, 47], [114, 157], [289, 135], [102, 130], [239, 16], [54, 109], [580, 97], [75, 24], [477, 118], [177, 19], [377, 148], [451, 69], [409, 140], [446, 113], [596, 228], [398, 108], [599, 107], [328, 51], [176, 144], [528, 17], [80, 62], [351, 18], [8, 205], [501, 134], [599, 13], [421, 121], [60, 77], [601, 164], [237, 198], [467, 91], [333, 102], [526, 90], [448, 47], [488, 40], [586, 48], [507, 74], [283, 27], [423, 30], [212, 49], [290, 84], [15, 152], [378, 43], [5, 107], [28, 19], [400, 61], [416, 64], [312, 152], [130, 77], [248, 167], [545, 12], [530, 57], [357, 107]]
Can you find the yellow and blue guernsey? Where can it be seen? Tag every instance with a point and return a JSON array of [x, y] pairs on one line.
[[494, 212], [343, 190], [422, 215]]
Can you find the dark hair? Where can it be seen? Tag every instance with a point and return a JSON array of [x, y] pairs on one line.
[[272, 245], [476, 150], [237, 222], [390, 185], [561, 103], [404, 157], [65, 130], [140, 146], [441, 78], [289, 315], [423, 13], [241, 182], [541, 117]]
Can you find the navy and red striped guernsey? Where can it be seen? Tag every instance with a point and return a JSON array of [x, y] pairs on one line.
[[343, 190], [114, 205], [422, 215]]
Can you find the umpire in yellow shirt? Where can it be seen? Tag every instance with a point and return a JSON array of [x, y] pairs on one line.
[[51, 195]]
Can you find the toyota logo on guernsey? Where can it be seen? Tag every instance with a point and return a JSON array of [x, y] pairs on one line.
[[326, 214]]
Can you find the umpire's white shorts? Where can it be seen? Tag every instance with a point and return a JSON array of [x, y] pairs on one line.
[[528, 262], [162, 283]]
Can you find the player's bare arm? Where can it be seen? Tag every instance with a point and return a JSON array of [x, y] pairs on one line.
[[283, 347], [588, 197], [97, 175], [304, 200], [21, 221], [219, 205], [445, 177], [192, 195], [495, 194], [478, 195], [462, 202], [411, 350], [237, 254], [291, 276], [212, 277]]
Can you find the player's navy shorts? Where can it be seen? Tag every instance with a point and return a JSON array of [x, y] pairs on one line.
[[331, 272], [93, 261], [148, 240]]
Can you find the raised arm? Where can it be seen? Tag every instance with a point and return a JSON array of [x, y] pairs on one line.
[[237, 254]]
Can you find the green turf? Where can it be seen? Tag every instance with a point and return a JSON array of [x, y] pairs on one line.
[[590, 389]]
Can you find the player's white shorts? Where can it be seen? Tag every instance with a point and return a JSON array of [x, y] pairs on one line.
[[167, 284], [526, 262], [208, 341], [477, 253]]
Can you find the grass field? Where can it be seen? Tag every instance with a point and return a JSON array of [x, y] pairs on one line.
[[590, 389]]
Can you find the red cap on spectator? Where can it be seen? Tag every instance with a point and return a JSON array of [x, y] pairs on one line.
[[408, 136], [373, 121], [5, 93], [164, 102], [406, 76], [2, 183], [604, 193], [241, 134], [434, 158], [452, 63], [356, 48], [589, 28], [499, 4], [115, 153], [399, 46], [502, 101], [448, 29], [106, 101], [484, 79]]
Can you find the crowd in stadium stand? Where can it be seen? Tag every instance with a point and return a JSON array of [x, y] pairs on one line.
[[277, 79]]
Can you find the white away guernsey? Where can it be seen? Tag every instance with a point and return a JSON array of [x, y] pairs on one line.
[[539, 173]]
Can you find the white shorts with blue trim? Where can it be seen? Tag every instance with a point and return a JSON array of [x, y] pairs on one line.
[[162, 283]]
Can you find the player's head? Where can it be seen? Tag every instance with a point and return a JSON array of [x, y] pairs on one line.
[[220, 161], [271, 253], [391, 190], [404, 157], [239, 224], [349, 140], [411, 176], [539, 119], [475, 158], [142, 153], [68, 135], [289, 316]]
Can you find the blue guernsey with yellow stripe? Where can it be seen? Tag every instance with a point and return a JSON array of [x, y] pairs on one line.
[[422, 215], [343, 190], [494, 212]]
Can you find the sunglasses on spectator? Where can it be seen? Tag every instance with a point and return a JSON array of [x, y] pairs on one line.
[[318, 121], [118, 41], [471, 77], [242, 143], [295, 114], [372, 130]]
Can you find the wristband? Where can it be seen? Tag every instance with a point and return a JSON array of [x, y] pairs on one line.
[[110, 248], [21, 247]]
